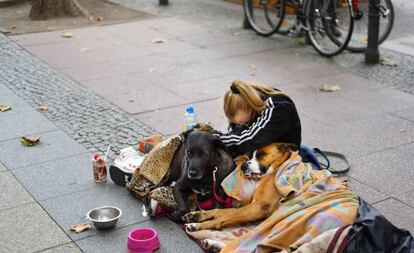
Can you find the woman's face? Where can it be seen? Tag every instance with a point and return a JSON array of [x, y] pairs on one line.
[[242, 117]]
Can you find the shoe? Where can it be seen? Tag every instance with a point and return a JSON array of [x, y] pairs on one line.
[[118, 176], [125, 165]]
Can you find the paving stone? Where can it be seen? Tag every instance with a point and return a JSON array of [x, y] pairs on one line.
[[53, 145], [12, 194], [28, 228], [65, 248], [27, 123], [2, 167], [386, 171], [72, 209], [172, 238], [58, 177], [397, 212], [369, 194], [210, 39], [406, 113]]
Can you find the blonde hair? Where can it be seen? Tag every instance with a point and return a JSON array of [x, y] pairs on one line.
[[246, 96]]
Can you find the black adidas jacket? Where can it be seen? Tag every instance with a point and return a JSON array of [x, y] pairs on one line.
[[277, 122]]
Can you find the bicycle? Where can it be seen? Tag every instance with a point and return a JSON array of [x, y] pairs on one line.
[[327, 24], [360, 8]]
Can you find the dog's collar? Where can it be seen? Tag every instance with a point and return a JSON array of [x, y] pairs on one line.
[[202, 192]]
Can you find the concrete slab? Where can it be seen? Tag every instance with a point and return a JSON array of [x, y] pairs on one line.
[[72, 209], [2, 167], [386, 171], [28, 228], [58, 177], [27, 123], [407, 113], [12, 194], [210, 39], [170, 120], [53, 145], [369, 194], [17, 104], [4, 90], [397, 212], [65, 248], [403, 45], [172, 239]]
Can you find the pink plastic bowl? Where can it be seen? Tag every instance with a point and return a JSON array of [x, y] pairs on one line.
[[143, 240]]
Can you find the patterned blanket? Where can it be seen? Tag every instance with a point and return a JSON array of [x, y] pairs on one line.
[[312, 202]]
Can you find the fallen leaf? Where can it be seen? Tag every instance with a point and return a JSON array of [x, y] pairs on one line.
[[403, 130], [329, 88], [43, 108], [365, 39], [83, 49], [158, 40], [29, 141], [67, 34], [387, 62], [13, 26], [252, 66], [78, 228], [285, 21], [4, 108], [236, 34], [99, 18]]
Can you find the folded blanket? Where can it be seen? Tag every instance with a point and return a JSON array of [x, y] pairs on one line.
[[154, 168]]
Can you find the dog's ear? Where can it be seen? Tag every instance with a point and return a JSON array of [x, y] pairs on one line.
[[218, 143], [287, 147]]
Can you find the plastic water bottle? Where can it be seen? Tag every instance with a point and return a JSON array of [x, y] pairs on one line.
[[190, 118]]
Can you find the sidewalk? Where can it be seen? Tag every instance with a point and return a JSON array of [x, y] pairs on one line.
[[123, 86]]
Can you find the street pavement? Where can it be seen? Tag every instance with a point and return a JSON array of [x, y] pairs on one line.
[[115, 81]]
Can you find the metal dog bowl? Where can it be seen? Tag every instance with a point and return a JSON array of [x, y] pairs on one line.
[[104, 217]]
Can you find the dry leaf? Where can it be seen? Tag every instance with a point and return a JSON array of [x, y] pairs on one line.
[[4, 108], [83, 49], [99, 18], [13, 26], [43, 108], [67, 34], [252, 66], [387, 62], [403, 130], [365, 39], [78, 228], [158, 40], [329, 88], [29, 141]]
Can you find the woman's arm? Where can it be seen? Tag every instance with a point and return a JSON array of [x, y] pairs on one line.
[[273, 122]]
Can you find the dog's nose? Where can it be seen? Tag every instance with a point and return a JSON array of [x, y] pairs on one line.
[[245, 167]]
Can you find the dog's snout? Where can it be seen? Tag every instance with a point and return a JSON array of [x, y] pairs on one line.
[[245, 166]]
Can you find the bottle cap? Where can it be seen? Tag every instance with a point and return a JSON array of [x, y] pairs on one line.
[[190, 109]]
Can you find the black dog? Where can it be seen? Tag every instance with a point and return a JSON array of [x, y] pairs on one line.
[[193, 166]]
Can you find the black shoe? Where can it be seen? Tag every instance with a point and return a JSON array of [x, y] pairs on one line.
[[118, 176]]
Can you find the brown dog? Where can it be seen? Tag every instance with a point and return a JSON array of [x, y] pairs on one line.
[[265, 198]]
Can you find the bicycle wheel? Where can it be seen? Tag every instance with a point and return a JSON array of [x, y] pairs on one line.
[[264, 16], [329, 25], [359, 39], [289, 18]]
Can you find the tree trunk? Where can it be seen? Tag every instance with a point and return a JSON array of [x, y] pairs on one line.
[[45, 9]]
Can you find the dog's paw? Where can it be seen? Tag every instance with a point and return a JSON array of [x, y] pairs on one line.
[[191, 227], [212, 245], [192, 217]]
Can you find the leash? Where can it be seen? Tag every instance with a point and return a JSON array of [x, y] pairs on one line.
[[325, 154], [227, 203]]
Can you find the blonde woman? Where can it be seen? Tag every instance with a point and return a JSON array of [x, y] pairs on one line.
[[258, 115]]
